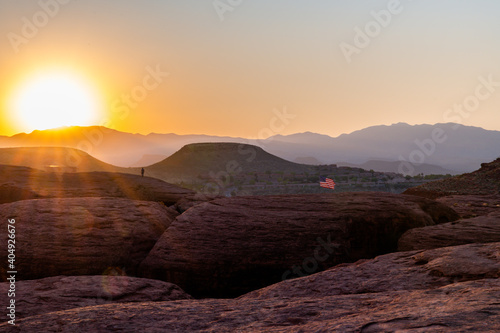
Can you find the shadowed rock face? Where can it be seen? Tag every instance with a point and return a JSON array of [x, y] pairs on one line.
[[81, 236], [58, 293], [482, 229], [451, 290], [410, 270], [233, 245], [12, 193], [20, 183]]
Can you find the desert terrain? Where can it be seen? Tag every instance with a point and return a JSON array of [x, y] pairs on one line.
[[111, 251]]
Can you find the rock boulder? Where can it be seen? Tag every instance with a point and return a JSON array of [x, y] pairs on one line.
[[21, 183], [482, 229], [81, 236], [231, 246], [34, 297]]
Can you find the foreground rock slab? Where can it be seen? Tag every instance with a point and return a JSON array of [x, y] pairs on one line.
[[58, 293], [231, 246], [81, 236], [454, 289], [462, 307], [482, 229]]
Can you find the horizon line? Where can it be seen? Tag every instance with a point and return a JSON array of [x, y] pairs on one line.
[[238, 137]]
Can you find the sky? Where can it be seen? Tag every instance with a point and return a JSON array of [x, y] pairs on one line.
[[249, 68]]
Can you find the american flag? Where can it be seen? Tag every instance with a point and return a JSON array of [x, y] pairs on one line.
[[326, 182]]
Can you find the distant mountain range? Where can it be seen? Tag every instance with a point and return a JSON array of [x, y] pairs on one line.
[[394, 166], [453, 147], [439, 148]]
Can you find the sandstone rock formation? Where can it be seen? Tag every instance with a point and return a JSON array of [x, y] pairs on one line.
[[472, 205], [25, 183], [11, 193], [58, 293], [233, 245], [482, 229], [452, 289], [409, 270], [82, 236]]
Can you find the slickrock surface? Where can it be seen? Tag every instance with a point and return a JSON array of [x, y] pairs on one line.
[[472, 205], [12, 193], [81, 236], [454, 289], [21, 183], [231, 246], [395, 271], [482, 229], [58, 293]]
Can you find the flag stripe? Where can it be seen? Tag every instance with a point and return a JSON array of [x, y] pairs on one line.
[[327, 183]]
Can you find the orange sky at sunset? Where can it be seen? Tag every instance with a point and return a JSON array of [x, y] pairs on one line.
[[188, 67]]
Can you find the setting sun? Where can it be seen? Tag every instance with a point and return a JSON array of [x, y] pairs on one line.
[[55, 99]]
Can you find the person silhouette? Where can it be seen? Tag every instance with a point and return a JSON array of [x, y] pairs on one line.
[[142, 172]]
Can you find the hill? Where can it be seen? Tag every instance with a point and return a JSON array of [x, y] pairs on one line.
[[233, 169], [54, 159], [215, 160], [485, 181]]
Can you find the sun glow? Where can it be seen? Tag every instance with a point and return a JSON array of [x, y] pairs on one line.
[[55, 99]]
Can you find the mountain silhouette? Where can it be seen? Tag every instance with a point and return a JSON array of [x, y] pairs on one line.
[[215, 160], [460, 148]]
